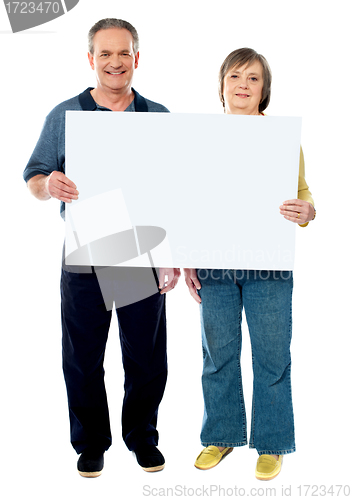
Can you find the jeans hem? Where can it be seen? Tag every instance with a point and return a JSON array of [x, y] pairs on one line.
[[225, 445], [276, 452]]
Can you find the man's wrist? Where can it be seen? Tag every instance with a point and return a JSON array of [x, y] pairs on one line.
[[46, 187]]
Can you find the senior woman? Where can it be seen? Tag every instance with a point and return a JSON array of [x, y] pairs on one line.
[[244, 89]]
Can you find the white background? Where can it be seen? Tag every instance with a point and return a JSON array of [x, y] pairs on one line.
[[182, 47]]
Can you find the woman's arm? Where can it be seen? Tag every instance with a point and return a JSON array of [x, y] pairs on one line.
[[300, 210]]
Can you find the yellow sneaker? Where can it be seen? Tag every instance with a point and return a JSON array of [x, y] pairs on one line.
[[210, 457], [267, 467]]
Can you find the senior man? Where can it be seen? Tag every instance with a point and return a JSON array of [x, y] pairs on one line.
[[113, 55]]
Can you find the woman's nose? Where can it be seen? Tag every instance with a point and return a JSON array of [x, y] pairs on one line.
[[243, 83]]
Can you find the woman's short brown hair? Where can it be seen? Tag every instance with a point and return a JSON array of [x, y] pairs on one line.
[[246, 57]]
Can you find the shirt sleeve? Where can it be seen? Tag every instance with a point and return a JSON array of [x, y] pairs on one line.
[[49, 152], [303, 189]]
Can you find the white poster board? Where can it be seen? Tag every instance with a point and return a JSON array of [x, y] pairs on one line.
[[181, 190]]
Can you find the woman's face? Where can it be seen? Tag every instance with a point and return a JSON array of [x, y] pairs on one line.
[[243, 87]]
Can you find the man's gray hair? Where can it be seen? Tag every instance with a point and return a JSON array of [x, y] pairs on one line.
[[108, 23]]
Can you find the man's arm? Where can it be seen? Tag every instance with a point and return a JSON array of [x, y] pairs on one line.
[[56, 185], [44, 172]]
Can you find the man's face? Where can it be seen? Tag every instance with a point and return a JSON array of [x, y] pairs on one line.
[[113, 60]]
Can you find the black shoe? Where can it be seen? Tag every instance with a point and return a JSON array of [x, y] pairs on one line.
[[91, 463], [150, 458]]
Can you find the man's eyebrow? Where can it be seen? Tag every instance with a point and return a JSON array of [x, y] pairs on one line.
[[106, 51]]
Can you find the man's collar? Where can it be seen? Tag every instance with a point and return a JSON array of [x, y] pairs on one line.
[[87, 102]]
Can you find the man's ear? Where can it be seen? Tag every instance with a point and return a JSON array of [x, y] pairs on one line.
[[91, 60], [136, 60]]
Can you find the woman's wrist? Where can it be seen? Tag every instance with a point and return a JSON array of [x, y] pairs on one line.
[[314, 212]]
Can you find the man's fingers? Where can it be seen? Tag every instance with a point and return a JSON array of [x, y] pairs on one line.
[[169, 287], [173, 276], [66, 188], [62, 194], [68, 182], [60, 176], [61, 187], [162, 277]]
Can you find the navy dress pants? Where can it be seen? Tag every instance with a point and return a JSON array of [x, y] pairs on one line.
[[85, 326]]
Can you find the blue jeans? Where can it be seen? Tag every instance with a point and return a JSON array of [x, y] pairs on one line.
[[267, 299]]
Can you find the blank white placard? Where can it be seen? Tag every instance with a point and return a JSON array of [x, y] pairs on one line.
[[214, 183]]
